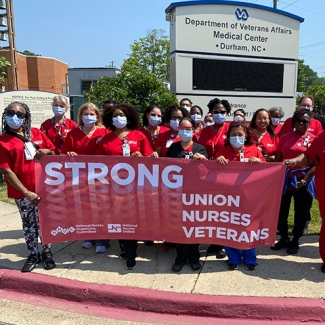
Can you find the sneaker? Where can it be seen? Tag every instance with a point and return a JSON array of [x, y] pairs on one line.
[[282, 243], [196, 266], [306, 229], [130, 264], [177, 267], [221, 253], [293, 248], [100, 249], [88, 243], [123, 256], [323, 268], [48, 260], [166, 248], [32, 261], [250, 267], [232, 267]]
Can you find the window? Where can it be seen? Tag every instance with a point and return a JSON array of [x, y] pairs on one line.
[[86, 85]]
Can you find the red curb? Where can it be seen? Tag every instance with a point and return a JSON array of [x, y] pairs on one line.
[[235, 307]]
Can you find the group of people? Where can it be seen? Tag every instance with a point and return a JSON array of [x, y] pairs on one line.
[[178, 131]]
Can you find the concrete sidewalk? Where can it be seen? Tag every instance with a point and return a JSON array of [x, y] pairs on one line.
[[277, 275]]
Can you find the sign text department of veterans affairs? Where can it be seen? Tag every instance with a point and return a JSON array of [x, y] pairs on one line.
[[183, 201]]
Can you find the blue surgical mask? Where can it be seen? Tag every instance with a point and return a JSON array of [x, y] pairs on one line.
[[188, 108], [275, 121], [196, 118], [238, 118], [174, 124], [237, 142], [14, 122], [219, 118], [89, 120], [119, 122], [58, 111], [185, 135], [154, 120]]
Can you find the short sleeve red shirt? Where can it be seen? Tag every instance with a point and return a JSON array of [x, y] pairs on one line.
[[80, 143], [12, 157], [277, 128], [233, 155], [165, 140], [152, 139], [111, 144], [213, 141], [267, 143], [58, 133], [315, 127]]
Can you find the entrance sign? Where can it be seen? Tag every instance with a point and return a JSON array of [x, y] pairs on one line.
[[177, 200], [242, 52]]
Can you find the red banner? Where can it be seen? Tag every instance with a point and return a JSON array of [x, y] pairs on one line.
[[177, 200]]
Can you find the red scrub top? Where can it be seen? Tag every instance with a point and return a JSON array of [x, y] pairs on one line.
[[111, 144], [165, 140], [58, 133], [315, 127], [267, 143], [80, 143], [213, 141], [12, 157], [277, 128], [152, 139], [233, 155]]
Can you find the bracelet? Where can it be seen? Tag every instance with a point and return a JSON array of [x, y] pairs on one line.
[[295, 162]]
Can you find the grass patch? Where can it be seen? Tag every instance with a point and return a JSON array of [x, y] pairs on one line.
[[3, 194]]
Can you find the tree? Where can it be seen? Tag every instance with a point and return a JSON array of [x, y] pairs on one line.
[[306, 76], [4, 64], [318, 92], [28, 53], [151, 54]]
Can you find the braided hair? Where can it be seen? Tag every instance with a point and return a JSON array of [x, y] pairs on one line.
[[27, 124]]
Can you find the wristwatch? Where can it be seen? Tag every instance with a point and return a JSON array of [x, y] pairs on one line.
[[303, 182]]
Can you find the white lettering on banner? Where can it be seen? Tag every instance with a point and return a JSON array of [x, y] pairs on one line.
[[57, 178], [226, 233], [209, 199]]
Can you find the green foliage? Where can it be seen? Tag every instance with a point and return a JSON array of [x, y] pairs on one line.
[[29, 53], [306, 77], [4, 64], [318, 92], [150, 54]]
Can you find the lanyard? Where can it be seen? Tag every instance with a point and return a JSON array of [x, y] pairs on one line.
[[59, 132]]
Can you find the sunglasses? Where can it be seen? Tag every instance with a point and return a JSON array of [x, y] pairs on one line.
[[221, 112], [302, 121], [12, 113]]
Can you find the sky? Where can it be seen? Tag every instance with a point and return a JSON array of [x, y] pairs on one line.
[[98, 32]]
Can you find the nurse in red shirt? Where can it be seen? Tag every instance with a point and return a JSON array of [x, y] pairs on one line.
[[263, 134], [84, 140], [19, 146], [172, 115], [213, 137], [124, 140], [57, 127], [152, 124], [196, 113], [240, 147], [277, 114]]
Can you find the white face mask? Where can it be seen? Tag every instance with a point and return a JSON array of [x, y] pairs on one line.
[[58, 111], [154, 120], [238, 118], [208, 124], [187, 107], [237, 142], [119, 122], [197, 118], [174, 124], [275, 121], [89, 120], [185, 135]]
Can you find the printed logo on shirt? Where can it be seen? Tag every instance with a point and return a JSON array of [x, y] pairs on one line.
[[38, 142], [270, 144], [133, 142], [114, 227]]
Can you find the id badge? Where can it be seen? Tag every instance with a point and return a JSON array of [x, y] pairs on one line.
[[241, 157], [126, 150], [30, 151], [169, 143]]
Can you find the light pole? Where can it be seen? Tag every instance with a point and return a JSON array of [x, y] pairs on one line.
[[275, 3], [9, 14]]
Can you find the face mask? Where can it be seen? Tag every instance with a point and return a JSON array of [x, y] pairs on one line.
[[219, 118], [174, 124], [237, 142], [58, 111], [119, 121], [154, 120], [89, 120], [238, 118], [187, 107], [14, 122], [196, 118], [185, 135], [208, 124], [275, 121]]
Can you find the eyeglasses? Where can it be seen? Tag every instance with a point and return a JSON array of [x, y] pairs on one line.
[[220, 112], [12, 113], [173, 118], [302, 121]]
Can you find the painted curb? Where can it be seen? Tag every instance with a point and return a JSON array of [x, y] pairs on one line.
[[164, 302]]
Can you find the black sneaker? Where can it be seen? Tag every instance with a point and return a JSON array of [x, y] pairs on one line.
[[293, 248], [32, 261], [130, 264], [282, 243], [232, 267], [323, 268], [250, 267], [177, 267], [123, 256], [196, 266], [48, 260]]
